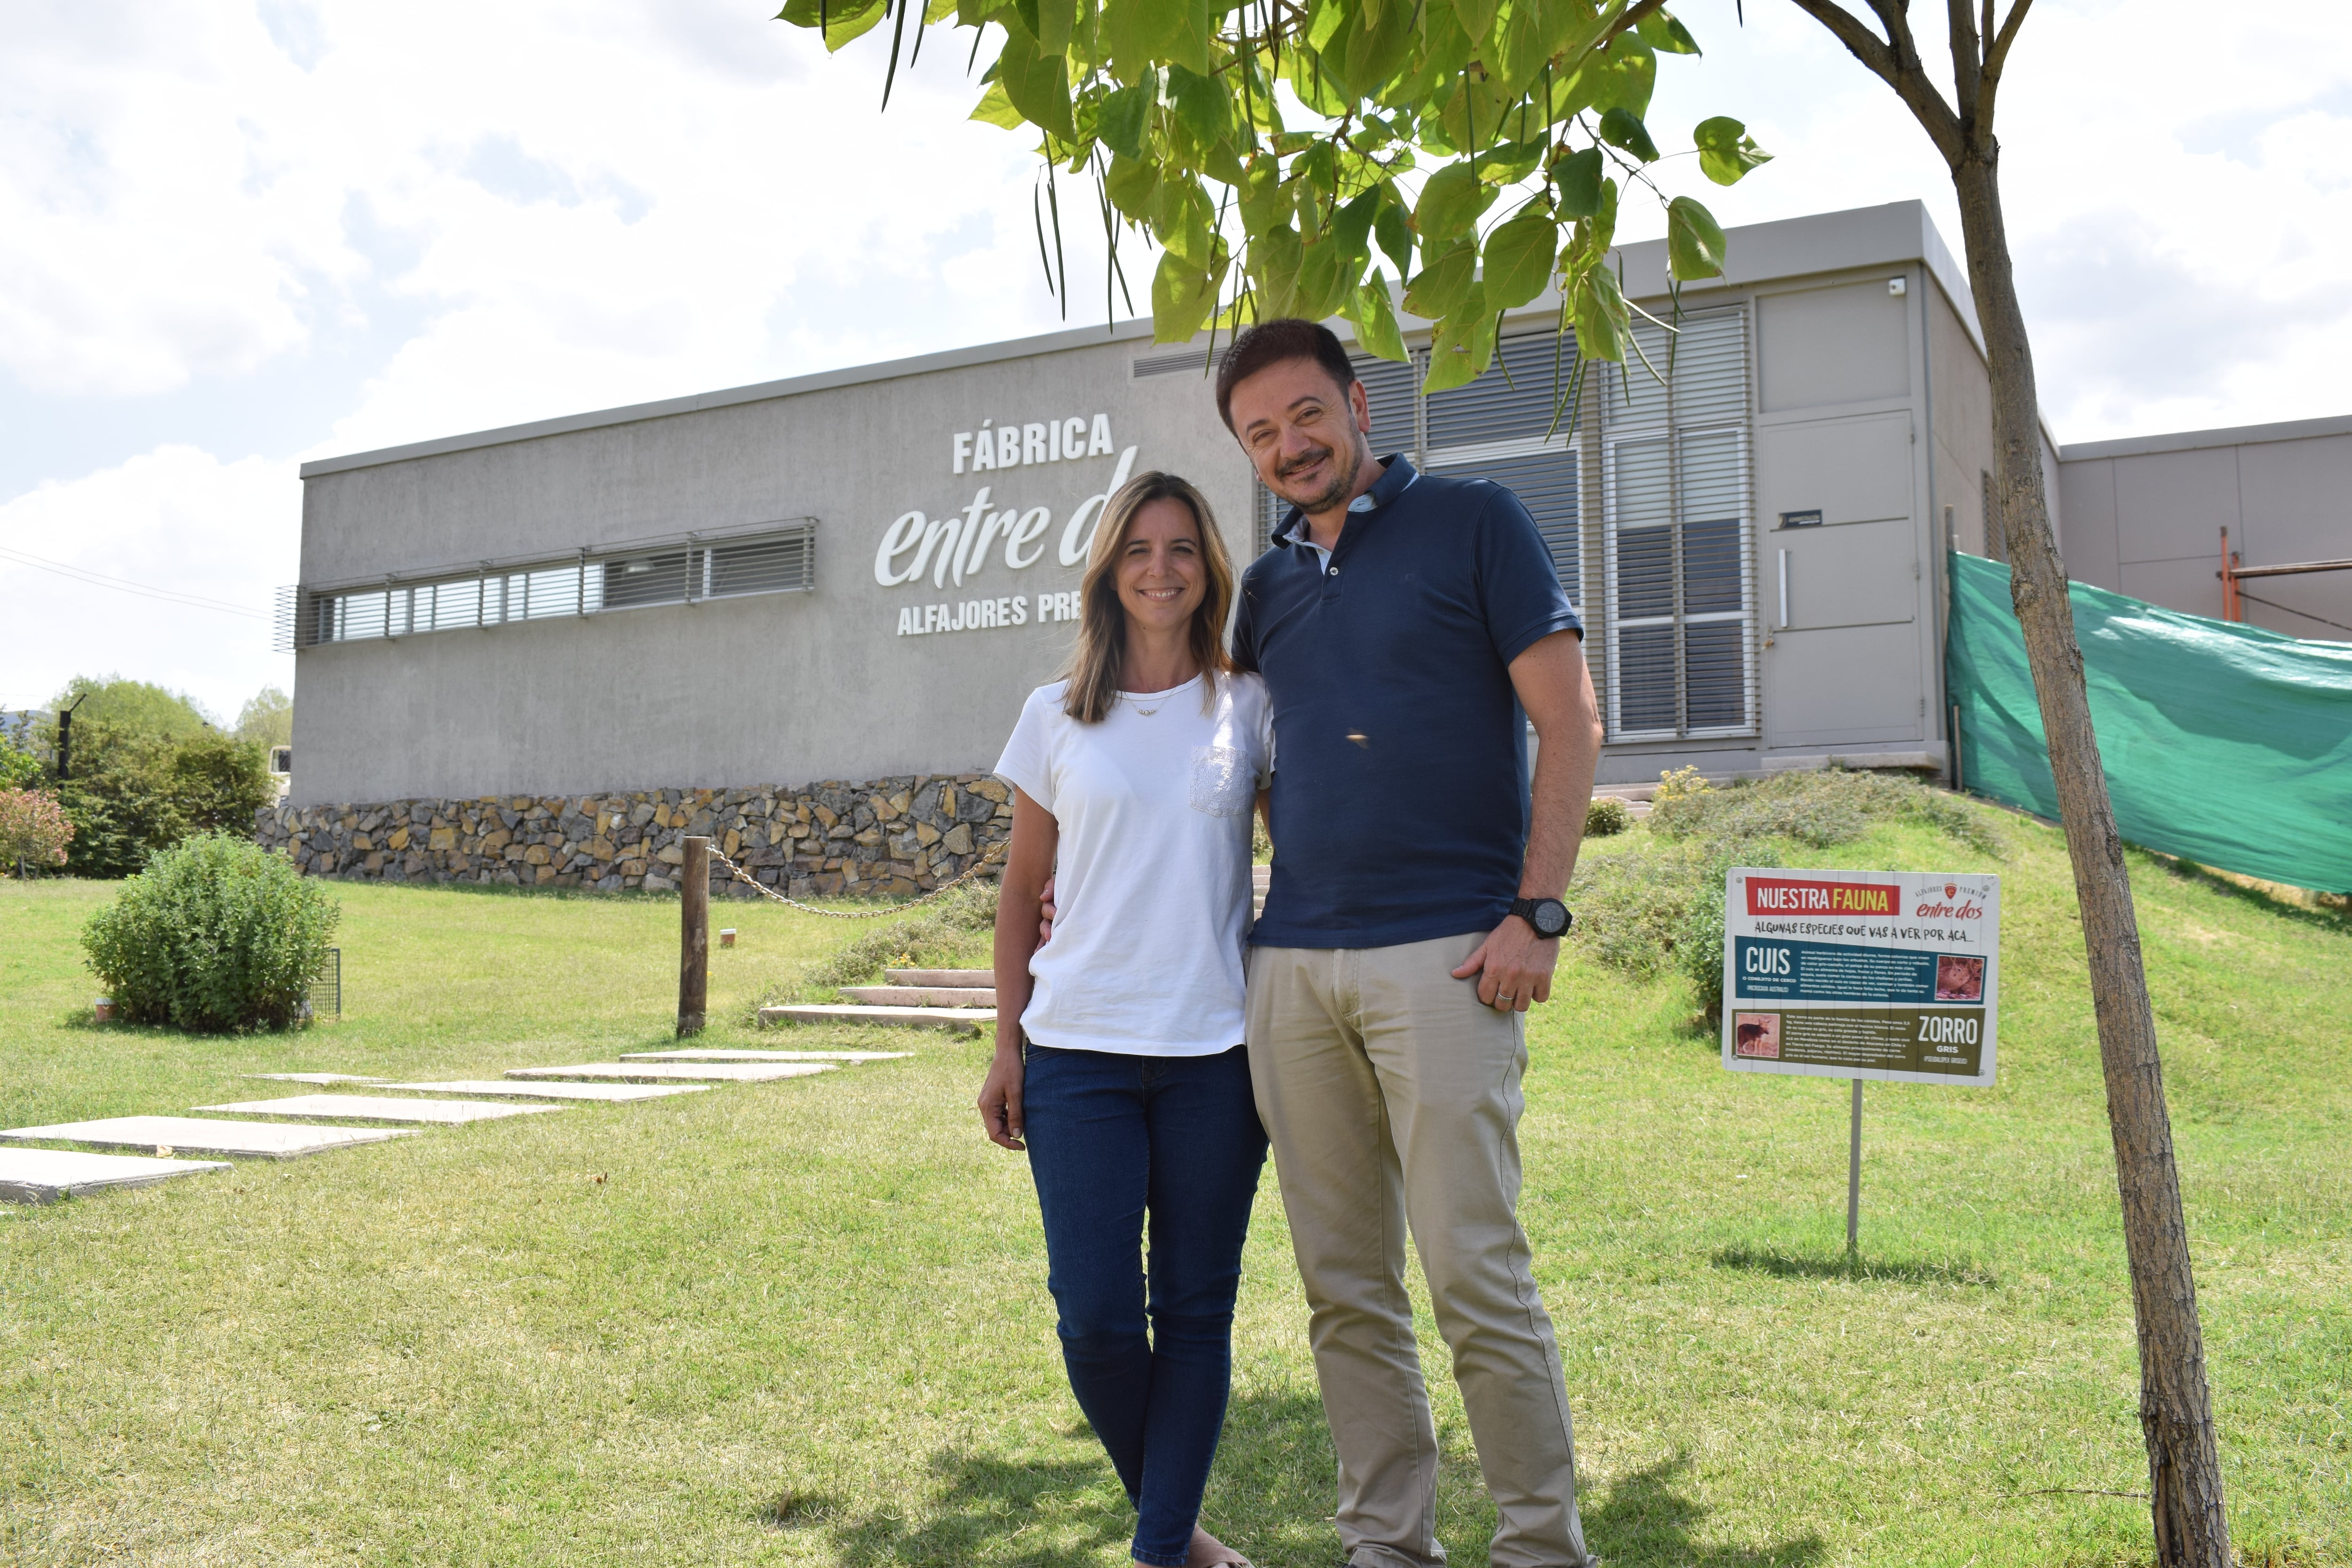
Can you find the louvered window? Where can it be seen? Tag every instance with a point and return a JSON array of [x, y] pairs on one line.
[[772, 559], [1507, 427], [1679, 569]]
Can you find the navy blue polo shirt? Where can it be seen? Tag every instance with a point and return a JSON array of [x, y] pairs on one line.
[[1400, 754]]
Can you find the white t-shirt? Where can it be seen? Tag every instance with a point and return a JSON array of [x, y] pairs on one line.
[[1153, 879]]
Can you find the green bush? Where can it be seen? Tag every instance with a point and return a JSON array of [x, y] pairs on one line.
[[215, 936], [1660, 901], [20, 768], [1606, 817], [134, 792]]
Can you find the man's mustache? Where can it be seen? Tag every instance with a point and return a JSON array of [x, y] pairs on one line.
[[1304, 460]]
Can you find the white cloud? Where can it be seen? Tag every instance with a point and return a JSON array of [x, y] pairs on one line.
[[161, 519]]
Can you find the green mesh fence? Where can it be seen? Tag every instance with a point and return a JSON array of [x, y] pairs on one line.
[[2224, 745]]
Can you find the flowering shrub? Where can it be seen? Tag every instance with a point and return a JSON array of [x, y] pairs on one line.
[[33, 829]]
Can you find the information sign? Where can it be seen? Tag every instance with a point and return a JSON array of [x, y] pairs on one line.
[[1863, 975]]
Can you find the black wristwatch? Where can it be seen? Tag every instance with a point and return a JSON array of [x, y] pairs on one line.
[[1549, 917]]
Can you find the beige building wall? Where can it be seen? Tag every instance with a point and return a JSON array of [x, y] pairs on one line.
[[2145, 517]]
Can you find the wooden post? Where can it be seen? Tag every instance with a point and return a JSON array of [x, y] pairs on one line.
[[694, 937]]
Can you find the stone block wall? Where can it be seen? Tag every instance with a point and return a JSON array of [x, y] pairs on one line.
[[888, 837]]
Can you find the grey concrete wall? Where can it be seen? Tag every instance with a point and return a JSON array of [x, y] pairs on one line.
[[2145, 517], [768, 689]]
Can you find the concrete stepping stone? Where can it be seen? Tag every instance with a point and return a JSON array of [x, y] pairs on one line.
[[319, 1078], [381, 1108], [703, 1054], [604, 1092], [261, 1139], [983, 979], [921, 996], [45, 1175], [962, 1020], [662, 1072]]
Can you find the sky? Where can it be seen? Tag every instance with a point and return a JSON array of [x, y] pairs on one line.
[[235, 237]]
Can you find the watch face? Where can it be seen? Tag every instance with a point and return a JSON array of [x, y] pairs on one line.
[[1547, 916]]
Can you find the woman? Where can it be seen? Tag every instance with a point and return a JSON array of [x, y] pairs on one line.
[[1119, 1065]]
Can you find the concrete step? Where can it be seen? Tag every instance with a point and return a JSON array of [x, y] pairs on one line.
[[962, 1020], [982, 979], [672, 1072], [701, 1054], [921, 996]]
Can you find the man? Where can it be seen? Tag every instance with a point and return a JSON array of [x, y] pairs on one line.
[[1409, 627]]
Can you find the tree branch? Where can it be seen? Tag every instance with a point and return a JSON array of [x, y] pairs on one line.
[[1960, 22], [1896, 64], [1996, 58]]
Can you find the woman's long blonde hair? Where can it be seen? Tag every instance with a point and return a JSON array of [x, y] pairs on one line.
[[1093, 671]]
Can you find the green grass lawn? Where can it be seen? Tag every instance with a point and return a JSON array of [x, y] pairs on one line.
[[806, 1322]]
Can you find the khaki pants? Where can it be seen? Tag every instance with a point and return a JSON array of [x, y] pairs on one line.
[[1392, 1099]]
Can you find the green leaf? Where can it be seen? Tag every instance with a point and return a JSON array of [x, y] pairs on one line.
[[1038, 84], [1275, 260], [1136, 33], [1518, 258], [1319, 89], [1182, 220], [1375, 319], [1602, 321], [1464, 344], [1579, 178], [1324, 21], [1201, 103], [1521, 50], [843, 19], [1619, 77], [1352, 230], [1393, 231], [1511, 162], [1193, 28], [1694, 240], [1325, 280], [1051, 24], [1183, 297], [1451, 203], [1620, 127], [1261, 196], [1726, 151], [995, 108], [1120, 121], [1477, 20], [1667, 35], [1445, 282], [1130, 185], [1375, 50]]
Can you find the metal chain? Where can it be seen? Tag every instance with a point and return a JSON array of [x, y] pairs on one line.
[[992, 853]]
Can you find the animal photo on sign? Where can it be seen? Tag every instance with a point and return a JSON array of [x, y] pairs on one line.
[[1959, 979], [1757, 1034]]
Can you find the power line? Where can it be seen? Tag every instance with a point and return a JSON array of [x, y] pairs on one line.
[[122, 584]]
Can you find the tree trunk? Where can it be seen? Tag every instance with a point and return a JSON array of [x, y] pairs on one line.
[[2176, 1410]]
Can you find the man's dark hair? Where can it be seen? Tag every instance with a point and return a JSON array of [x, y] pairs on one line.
[[1271, 342]]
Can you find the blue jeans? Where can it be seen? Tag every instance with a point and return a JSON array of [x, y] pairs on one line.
[[1146, 1167]]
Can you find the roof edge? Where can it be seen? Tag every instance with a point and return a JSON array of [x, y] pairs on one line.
[[2195, 441], [758, 392]]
